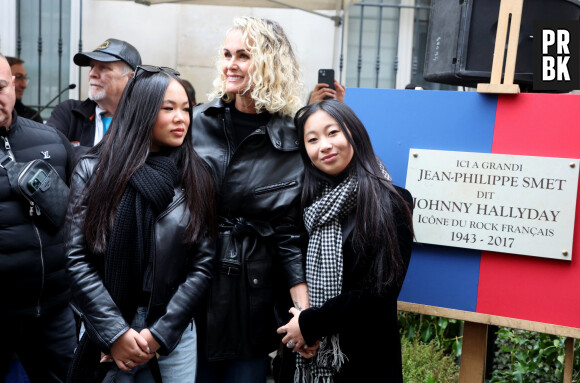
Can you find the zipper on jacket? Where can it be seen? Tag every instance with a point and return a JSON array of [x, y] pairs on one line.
[[8, 149], [224, 124], [33, 207], [228, 147], [275, 187], [42, 270]]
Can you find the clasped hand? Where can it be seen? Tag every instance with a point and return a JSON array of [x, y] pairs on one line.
[[132, 349], [293, 336]]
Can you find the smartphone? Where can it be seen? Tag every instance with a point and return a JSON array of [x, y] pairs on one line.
[[37, 180], [326, 76]]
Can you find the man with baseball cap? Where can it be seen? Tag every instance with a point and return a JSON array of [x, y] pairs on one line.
[[112, 63]]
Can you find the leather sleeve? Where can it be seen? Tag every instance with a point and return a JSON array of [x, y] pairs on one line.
[[290, 234], [187, 298], [103, 320]]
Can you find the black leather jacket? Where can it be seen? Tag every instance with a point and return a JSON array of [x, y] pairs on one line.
[[181, 274], [259, 185]]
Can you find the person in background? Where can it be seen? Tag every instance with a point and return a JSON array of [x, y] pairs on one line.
[[21, 82], [140, 247], [247, 136], [85, 122], [360, 241], [323, 91], [190, 91], [35, 315]]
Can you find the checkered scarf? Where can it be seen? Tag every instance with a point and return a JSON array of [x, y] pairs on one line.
[[324, 265]]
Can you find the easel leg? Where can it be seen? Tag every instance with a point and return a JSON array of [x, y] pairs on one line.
[[473, 354], [568, 360]]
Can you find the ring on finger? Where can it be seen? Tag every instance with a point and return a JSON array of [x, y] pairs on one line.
[[290, 344], [128, 362]]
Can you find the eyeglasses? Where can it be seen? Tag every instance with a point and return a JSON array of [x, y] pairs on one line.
[[21, 77]]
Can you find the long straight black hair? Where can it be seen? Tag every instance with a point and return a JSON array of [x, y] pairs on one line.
[[125, 148], [375, 237]]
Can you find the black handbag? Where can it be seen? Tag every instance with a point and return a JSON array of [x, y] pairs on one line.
[[39, 184]]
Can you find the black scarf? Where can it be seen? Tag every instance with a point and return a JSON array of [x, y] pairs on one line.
[[130, 249]]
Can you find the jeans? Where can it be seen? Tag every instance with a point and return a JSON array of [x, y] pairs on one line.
[[234, 371], [178, 367], [44, 345]]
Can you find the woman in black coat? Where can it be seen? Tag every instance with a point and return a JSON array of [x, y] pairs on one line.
[[360, 229], [247, 137]]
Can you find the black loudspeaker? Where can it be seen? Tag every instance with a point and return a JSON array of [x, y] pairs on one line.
[[461, 38]]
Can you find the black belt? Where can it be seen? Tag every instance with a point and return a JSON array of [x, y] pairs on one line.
[[239, 228]]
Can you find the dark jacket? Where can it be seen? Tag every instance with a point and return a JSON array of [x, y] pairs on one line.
[[32, 255], [26, 112], [367, 323], [259, 185], [76, 120], [181, 273]]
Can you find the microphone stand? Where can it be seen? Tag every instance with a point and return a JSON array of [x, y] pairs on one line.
[[71, 86]]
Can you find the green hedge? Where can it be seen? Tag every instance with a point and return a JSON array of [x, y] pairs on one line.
[[427, 363]]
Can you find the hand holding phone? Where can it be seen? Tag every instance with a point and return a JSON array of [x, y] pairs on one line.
[[326, 88]]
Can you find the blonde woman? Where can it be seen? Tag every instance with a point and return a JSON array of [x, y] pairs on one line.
[[247, 136]]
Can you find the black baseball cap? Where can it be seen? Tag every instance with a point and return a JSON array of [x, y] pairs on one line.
[[110, 50]]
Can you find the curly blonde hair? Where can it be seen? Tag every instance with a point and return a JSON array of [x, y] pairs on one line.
[[275, 83]]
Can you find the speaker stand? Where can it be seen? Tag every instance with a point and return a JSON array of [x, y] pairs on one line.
[[510, 16]]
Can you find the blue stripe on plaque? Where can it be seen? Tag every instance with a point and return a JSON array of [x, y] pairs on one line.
[[398, 120]]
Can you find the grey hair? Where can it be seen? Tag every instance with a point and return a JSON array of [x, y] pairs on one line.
[[126, 68]]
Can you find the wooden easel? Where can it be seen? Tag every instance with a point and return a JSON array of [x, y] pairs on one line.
[[507, 8]]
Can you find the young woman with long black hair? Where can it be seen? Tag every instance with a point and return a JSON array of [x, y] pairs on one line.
[[139, 250], [360, 239]]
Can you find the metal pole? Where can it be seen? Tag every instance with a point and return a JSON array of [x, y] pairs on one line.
[[18, 35], [59, 47], [359, 61], [378, 62], [39, 50], [80, 40]]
